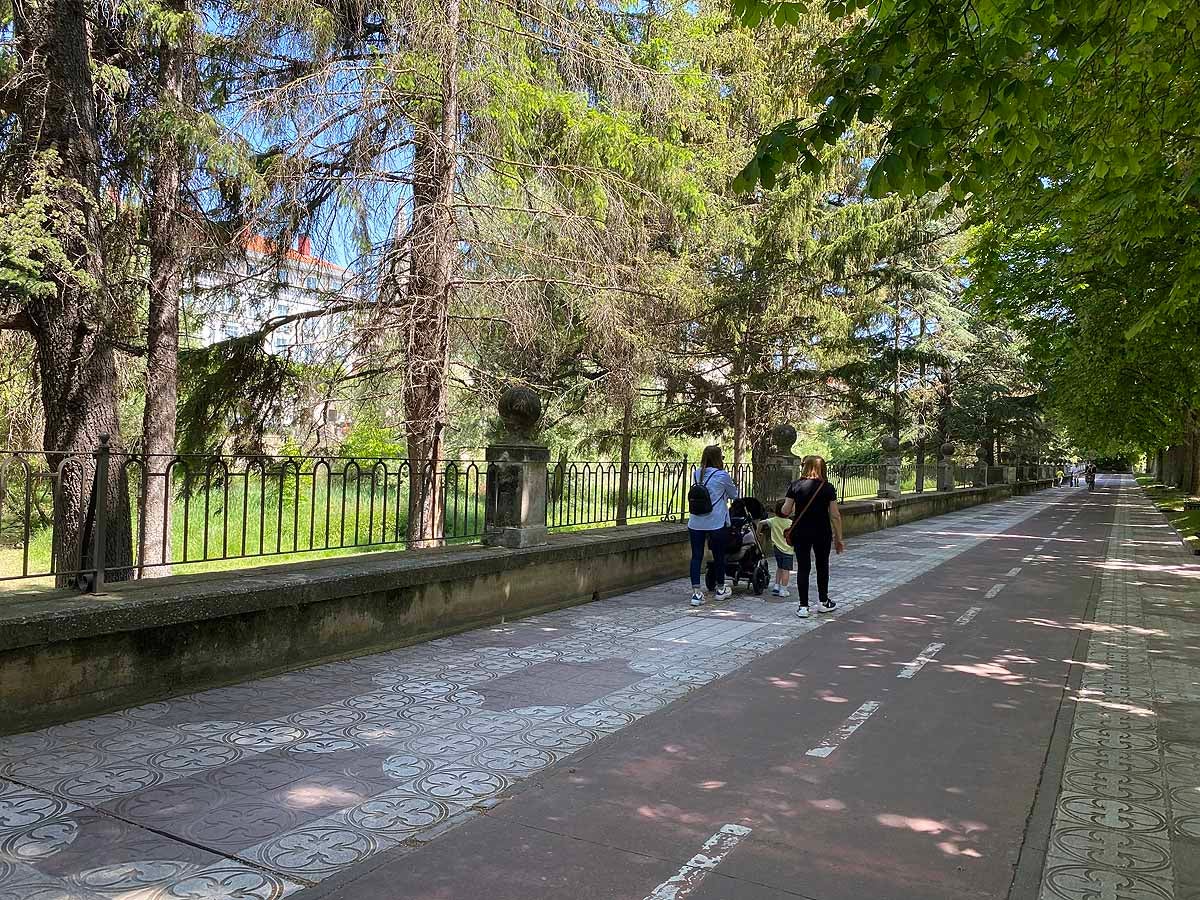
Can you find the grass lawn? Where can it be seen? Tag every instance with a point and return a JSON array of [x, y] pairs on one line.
[[1170, 501]]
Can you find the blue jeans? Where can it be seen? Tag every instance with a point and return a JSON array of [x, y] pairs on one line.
[[716, 543]]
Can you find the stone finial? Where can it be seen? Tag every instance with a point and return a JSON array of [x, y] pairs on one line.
[[981, 455], [520, 410], [889, 444], [784, 436], [948, 450]]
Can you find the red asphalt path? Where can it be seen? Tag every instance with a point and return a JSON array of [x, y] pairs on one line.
[[932, 797]]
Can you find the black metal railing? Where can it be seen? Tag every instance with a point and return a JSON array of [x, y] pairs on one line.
[[86, 518], [593, 493], [854, 482], [191, 512]]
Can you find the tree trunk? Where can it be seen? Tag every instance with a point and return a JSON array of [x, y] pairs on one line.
[[71, 328], [626, 446], [427, 304], [921, 410], [1191, 480], [896, 373], [944, 402], [739, 424], [167, 251]]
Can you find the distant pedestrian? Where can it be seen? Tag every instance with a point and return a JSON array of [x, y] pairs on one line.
[[708, 519], [811, 504], [784, 557], [1060, 478]]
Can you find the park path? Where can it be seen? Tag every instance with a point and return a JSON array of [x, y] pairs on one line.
[[909, 745]]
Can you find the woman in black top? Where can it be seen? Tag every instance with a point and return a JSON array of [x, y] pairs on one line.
[[816, 528]]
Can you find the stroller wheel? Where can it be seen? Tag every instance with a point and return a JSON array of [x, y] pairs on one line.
[[762, 575], [710, 578]]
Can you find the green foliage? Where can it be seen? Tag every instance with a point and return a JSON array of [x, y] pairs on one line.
[[1068, 125], [34, 223], [232, 394], [370, 439]]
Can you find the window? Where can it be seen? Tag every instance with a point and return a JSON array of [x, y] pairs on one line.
[[281, 309], [282, 275], [311, 283]]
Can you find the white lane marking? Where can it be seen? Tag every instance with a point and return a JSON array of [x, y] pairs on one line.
[[715, 849], [1015, 570], [1040, 547], [834, 739], [994, 590], [919, 663], [1026, 559], [968, 615]]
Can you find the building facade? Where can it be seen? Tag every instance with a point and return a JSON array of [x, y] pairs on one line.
[[251, 293]]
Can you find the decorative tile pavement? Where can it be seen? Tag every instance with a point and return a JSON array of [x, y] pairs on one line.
[[257, 790], [1128, 795]]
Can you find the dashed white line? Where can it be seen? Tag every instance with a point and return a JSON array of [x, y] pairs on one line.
[[994, 590], [1015, 570], [919, 663], [966, 617], [834, 739], [1040, 547], [1026, 559], [715, 849]]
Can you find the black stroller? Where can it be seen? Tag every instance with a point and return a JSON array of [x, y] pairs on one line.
[[745, 559]]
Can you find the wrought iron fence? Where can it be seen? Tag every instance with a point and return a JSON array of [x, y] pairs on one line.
[[36, 509], [854, 482], [917, 479], [106, 516], [966, 475], [185, 512], [590, 494]]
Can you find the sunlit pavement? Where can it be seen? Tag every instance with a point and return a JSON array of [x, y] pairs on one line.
[[910, 745]]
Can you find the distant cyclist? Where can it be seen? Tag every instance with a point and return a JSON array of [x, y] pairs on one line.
[[1090, 476]]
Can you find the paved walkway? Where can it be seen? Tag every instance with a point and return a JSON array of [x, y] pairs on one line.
[[910, 748]]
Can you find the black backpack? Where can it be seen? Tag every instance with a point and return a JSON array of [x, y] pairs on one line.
[[699, 501]]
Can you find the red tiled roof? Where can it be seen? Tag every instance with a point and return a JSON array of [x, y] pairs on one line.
[[256, 243]]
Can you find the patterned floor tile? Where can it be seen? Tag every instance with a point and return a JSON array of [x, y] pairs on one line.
[[1121, 799], [305, 774]]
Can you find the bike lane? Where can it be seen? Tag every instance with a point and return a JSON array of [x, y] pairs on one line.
[[928, 793]]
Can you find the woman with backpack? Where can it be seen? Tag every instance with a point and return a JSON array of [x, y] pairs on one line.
[[708, 518], [811, 503]]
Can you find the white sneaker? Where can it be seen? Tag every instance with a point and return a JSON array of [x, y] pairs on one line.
[[826, 606], [723, 593], [780, 591], [697, 598], [802, 612]]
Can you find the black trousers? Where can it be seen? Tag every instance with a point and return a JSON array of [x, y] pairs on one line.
[[818, 545]]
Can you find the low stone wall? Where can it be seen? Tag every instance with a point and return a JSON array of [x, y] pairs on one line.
[[63, 659], [863, 516], [1029, 487]]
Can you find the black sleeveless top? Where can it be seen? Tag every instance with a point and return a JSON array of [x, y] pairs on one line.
[[815, 521]]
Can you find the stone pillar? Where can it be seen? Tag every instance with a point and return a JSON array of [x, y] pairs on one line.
[[889, 468], [1010, 470], [781, 467], [981, 468], [946, 468], [515, 514]]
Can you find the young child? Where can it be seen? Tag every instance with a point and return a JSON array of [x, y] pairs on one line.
[[784, 556]]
